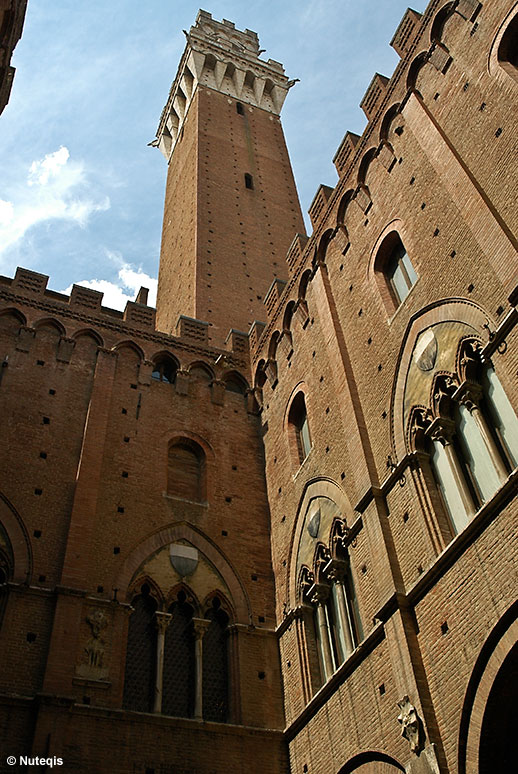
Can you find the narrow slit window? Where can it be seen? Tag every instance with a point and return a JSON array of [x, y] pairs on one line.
[[249, 181]]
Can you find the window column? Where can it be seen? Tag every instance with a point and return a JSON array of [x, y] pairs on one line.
[[200, 626], [470, 398], [318, 595], [336, 574], [451, 478], [162, 621]]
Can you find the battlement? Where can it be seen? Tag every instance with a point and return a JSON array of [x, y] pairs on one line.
[[223, 58], [137, 318]]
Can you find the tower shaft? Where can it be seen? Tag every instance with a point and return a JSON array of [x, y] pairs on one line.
[[231, 206]]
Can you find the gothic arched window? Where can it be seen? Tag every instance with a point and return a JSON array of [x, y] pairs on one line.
[[179, 664], [326, 587], [471, 433], [215, 664], [508, 49], [164, 369], [139, 676], [394, 271], [298, 428]]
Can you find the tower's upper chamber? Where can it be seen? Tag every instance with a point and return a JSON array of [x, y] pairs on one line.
[[231, 207], [225, 59]]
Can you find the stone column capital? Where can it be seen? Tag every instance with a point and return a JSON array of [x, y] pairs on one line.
[[318, 593], [162, 621], [200, 626]]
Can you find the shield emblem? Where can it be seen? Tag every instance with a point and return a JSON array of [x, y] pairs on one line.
[[425, 351], [314, 523], [184, 559]]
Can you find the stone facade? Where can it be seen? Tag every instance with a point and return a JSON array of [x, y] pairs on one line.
[[335, 490]]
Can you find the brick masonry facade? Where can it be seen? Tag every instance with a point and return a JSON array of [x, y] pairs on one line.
[[376, 381]]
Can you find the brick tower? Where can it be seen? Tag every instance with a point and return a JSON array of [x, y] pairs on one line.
[[231, 207]]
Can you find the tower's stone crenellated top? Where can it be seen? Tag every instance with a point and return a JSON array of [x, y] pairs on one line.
[[225, 59]]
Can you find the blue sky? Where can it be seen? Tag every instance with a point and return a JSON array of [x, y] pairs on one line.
[[81, 193]]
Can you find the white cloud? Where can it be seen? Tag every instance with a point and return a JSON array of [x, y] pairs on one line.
[[56, 188], [116, 294]]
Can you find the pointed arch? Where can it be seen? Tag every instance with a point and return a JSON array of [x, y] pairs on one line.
[[91, 333], [387, 120], [446, 310], [138, 586], [496, 655], [235, 382], [365, 163], [199, 367], [183, 531], [13, 312], [440, 19], [325, 239], [342, 208], [315, 487], [19, 539], [131, 345], [414, 71], [50, 322]]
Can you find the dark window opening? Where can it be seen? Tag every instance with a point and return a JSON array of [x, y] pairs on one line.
[[215, 665], [249, 181], [299, 427], [139, 678], [179, 674], [164, 370], [240, 109], [508, 49]]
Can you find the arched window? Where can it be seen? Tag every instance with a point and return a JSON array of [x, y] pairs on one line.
[[139, 676], [471, 433], [298, 428], [400, 273], [336, 618], [508, 49], [215, 664], [186, 471], [394, 270], [6, 569], [164, 369], [326, 586], [179, 664]]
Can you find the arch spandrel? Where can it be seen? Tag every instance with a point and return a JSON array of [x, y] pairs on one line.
[[435, 350], [18, 541], [165, 566], [188, 535]]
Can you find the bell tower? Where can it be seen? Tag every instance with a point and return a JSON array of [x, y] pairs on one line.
[[231, 206]]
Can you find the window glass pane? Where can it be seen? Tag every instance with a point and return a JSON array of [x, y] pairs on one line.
[[503, 414], [399, 282], [448, 487], [332, 634], [304, 437], [477, 455], [407, 263], [339, 632]]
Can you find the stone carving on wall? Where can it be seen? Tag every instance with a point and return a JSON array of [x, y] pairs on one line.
[[93, 663], [411, 726]]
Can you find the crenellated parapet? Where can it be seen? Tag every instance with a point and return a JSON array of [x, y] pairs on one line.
[[222, 58]]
